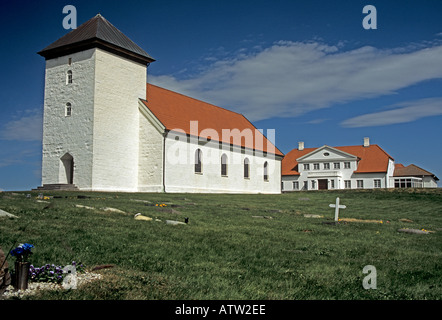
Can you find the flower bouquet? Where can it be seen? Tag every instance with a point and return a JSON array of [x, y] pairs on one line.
[[22, 252]]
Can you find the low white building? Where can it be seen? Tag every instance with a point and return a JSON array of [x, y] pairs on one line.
[[106, 129], [413, 176], [362, 166]]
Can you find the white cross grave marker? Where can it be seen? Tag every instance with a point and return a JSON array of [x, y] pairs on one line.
[[337, 207]]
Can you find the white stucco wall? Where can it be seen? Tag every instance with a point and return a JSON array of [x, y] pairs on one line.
[[390, 171], [429, 182], [180, 175], [74, 134], [119, 83], [150, 171]]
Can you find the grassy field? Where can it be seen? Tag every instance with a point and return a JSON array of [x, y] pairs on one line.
[[235, 246]]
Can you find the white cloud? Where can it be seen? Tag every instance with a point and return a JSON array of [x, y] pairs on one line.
[[292, 78], [28, 127], [408, 112]]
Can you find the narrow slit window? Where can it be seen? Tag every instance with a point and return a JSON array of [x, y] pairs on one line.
[[198, 161], [69, 77], [68, 110], [246, 168], [224, 165], [266, 171]]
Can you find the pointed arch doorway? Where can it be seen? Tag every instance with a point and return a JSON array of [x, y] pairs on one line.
[[67, 169]]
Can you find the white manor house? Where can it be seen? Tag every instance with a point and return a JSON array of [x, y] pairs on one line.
[[362, 166]]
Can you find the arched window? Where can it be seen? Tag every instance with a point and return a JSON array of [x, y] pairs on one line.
[[198, 161], [224, 165], [69, 77], [266, 171], [68, 110], [246, 168]]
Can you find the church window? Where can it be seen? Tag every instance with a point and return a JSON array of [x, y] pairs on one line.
[[224, 165], [68, 110], [246, 168], [198, 161], [266, 171], [69, 77]]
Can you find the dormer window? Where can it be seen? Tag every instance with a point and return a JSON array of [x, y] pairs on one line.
[[69, 77]]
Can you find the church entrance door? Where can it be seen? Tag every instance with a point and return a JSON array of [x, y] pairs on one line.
[[68, 172]]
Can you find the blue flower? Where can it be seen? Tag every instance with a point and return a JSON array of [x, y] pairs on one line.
[[27, 246]]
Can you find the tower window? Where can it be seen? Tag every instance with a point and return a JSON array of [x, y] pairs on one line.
[[69, 77], [68, 110]]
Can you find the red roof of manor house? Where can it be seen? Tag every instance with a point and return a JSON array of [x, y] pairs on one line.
[[176, 111], [372, 159]]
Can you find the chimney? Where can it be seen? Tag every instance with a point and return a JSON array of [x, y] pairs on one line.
[[301, 145], [366, 142]]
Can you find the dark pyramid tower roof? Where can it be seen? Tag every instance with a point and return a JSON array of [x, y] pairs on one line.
[[96, 33]]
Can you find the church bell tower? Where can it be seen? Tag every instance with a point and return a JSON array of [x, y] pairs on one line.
[[94, 78]]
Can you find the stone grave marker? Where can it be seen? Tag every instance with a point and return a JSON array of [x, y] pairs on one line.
[[6, 214]]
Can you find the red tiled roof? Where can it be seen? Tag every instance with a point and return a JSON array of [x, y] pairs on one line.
[[176, 111], [372, 159], [410, 171]]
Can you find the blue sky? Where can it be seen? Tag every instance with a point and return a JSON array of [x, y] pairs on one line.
[[307, 69]]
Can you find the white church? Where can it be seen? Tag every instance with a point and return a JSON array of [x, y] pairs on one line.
[[106, 129]]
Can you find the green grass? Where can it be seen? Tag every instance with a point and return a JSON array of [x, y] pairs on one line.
[[226, 253]]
